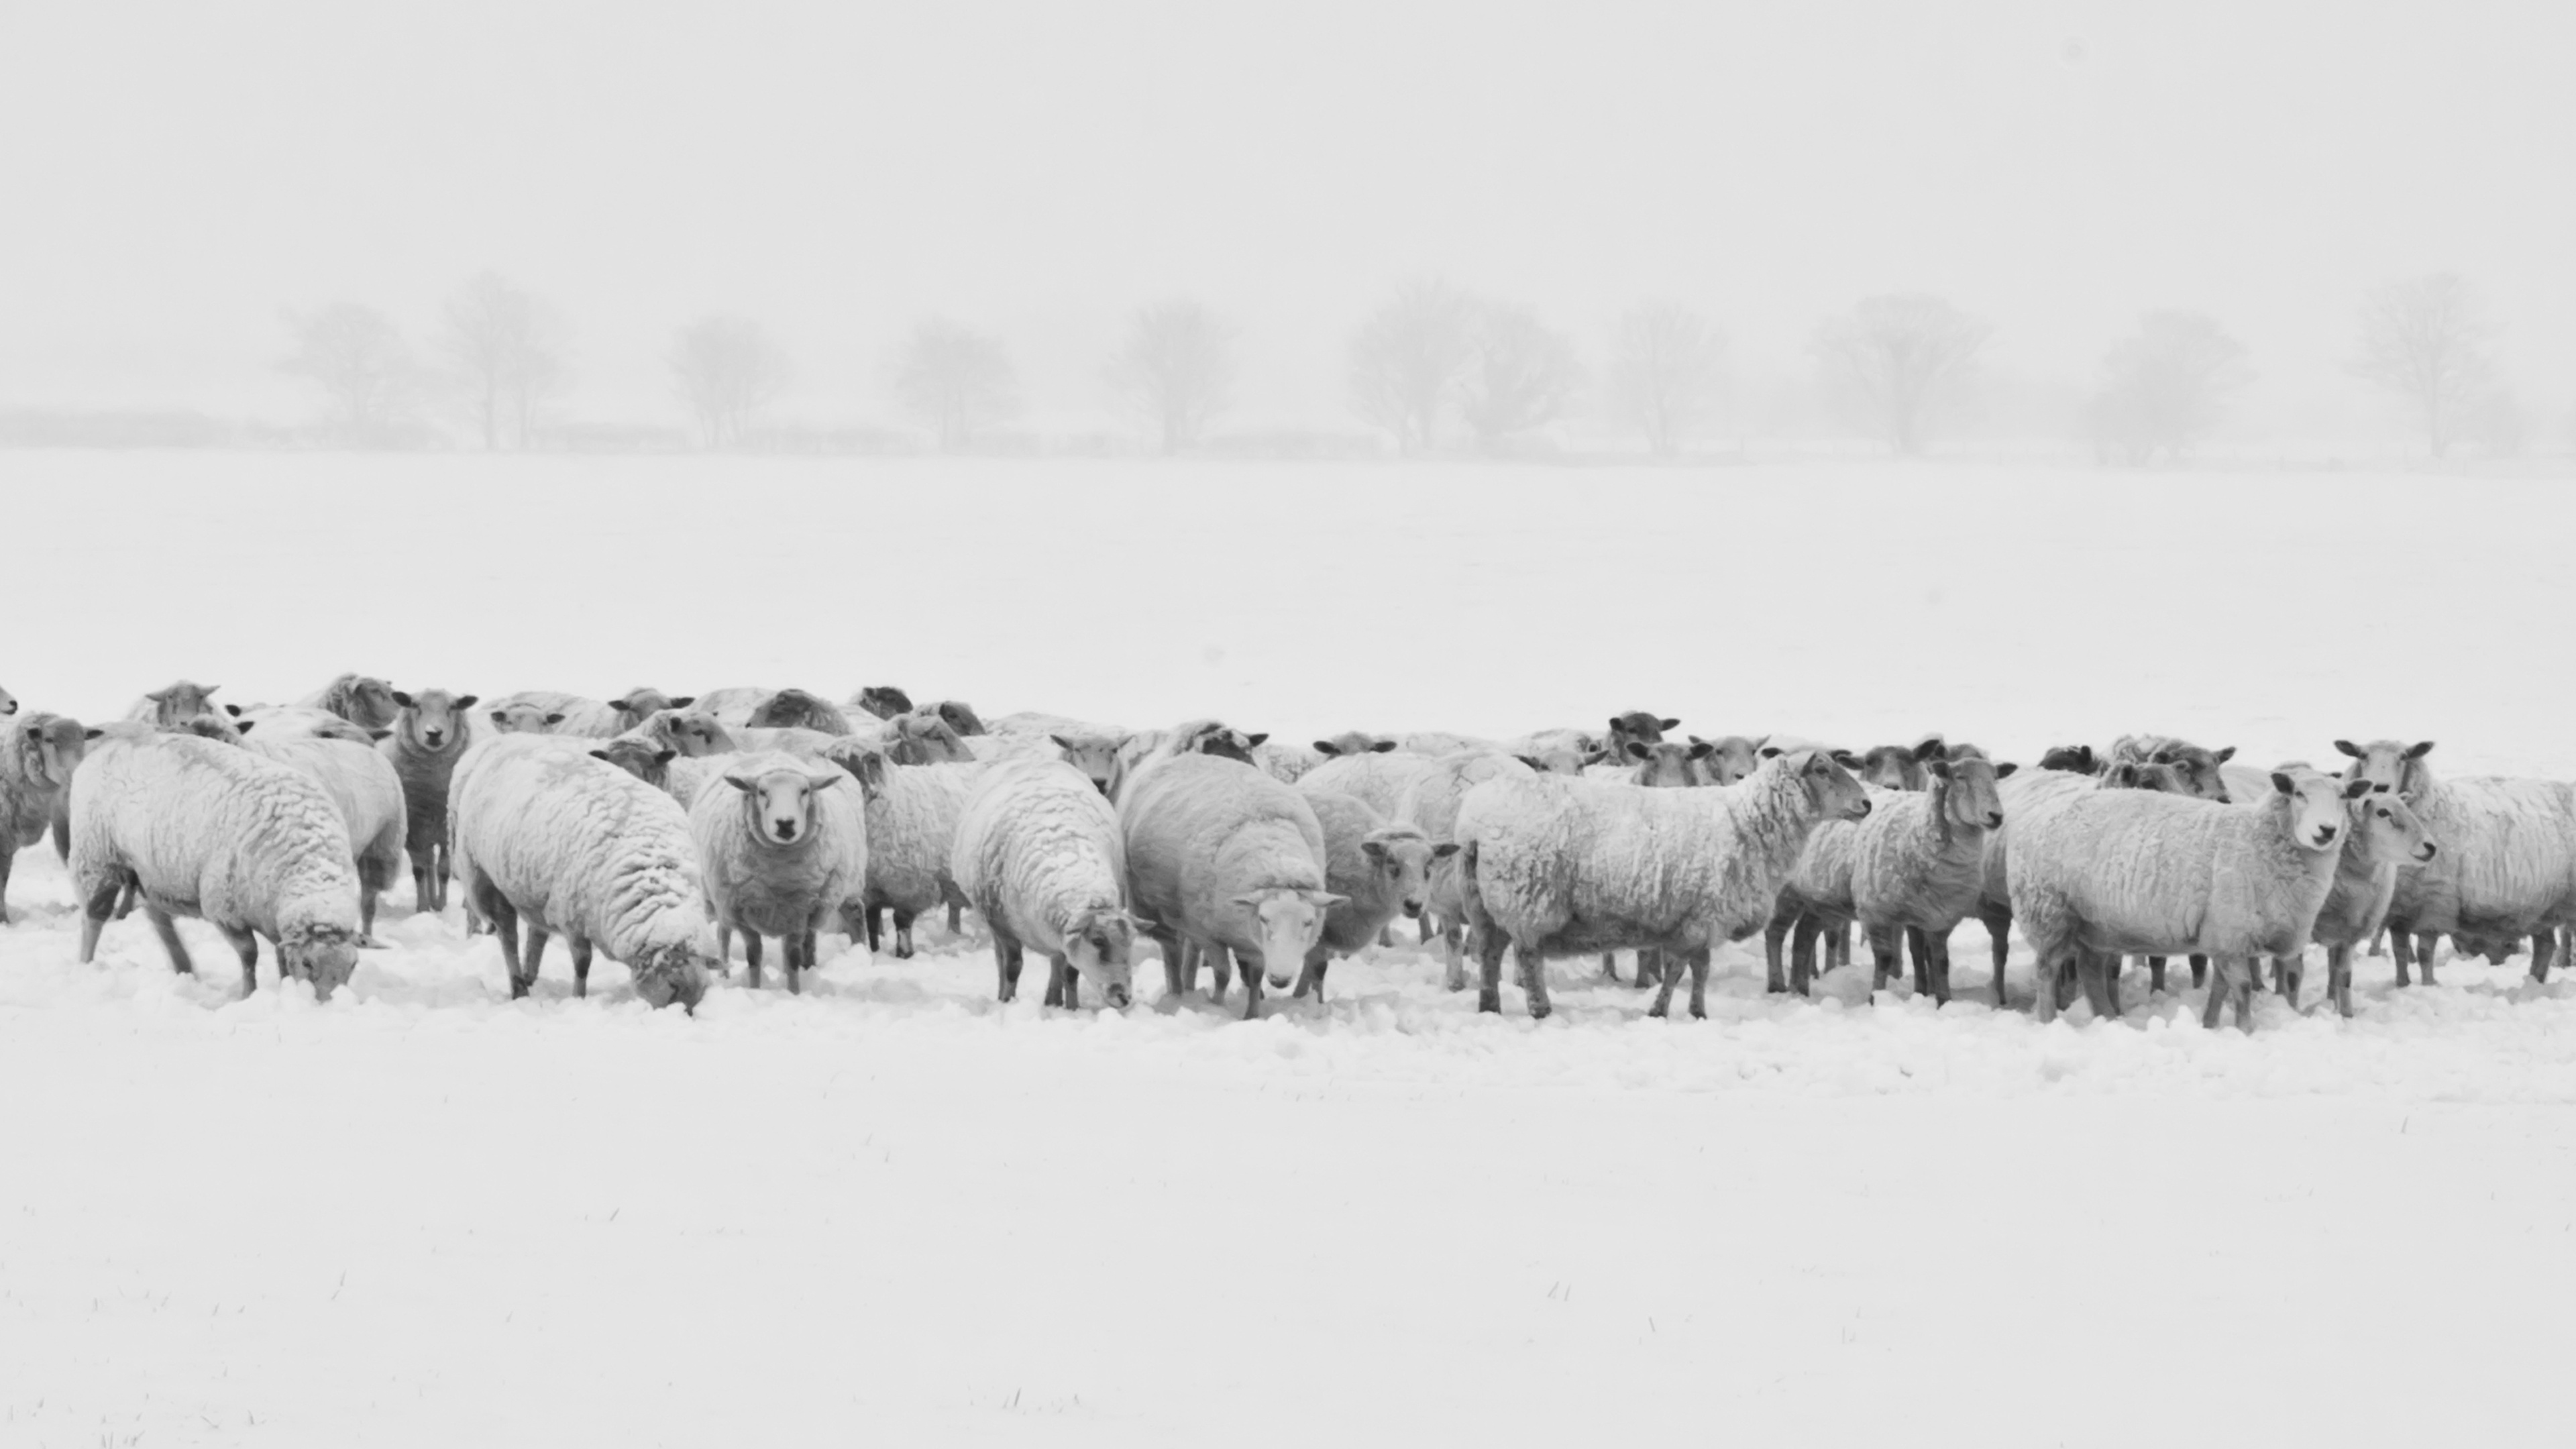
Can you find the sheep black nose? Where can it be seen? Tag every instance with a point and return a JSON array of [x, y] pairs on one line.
[[1413, 909], [2429, 851], [1994, 819], [1864, 811], [1118, 996], [433, 736], [786, 829], [2325, 834]]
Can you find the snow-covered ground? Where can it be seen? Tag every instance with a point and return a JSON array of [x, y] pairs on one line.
[[892, 1210]]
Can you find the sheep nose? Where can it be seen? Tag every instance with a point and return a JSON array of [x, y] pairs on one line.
[[2428, 852], [1863, 812], [1994, 819], [1118, 996], [2325, 834], [786, 829], [433, 736], [1413, 910]]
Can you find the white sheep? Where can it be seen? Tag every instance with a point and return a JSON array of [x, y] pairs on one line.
[[1191, 737], [734, 703], [1039, 854], [37, 758], [1918, 865], [1437, 743], [1553, 867], [173, 705], [368, 793], [577, 847], [1380, 871], [912, 814], [432, 728], [361, 699], [2098, 873], [2385, 837], [1430, 804], [1228, 860], [1730, 758], [2508, 862], [199, 827], [1285, 762], [783, 853]]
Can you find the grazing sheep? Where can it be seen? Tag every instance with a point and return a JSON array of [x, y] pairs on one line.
[[361, 699], [2385, 835], [198, 827], [1552, 867], [1430, 804], [2508, 863], [576, 847], [1229, 860], [882, 700], [1039, 854], [1380, 870], [798, 709], [782, 853], [37, 758], [2096, 873], [173, 705], [365, 788], [912, 815]]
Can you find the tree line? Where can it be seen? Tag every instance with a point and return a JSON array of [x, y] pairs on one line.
[[1432, 367]]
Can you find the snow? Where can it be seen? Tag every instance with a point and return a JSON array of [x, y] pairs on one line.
[[893, 1209]]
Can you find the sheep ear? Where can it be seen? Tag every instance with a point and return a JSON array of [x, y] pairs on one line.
[[2125, 776], [1382, 747], [401, 698], [1847, 759], [1444, 850], [603, 755], [739, 782], [156, 695], [1534, 762], [2161, 757], [1246, 901], [93, 732], [1668, 724], [625, 704], [664, 757], [2349, 748], [1932, 747], [2225, 755], [1059, 742], [1256, 739], [1327, 747], [1638, 751], [684, 701], [246, 726], [379, 734], [1374, 850], [1940, 769], [825, 781], [2354, 790], [1326, 899], [2284, 783], [1699, 748], [234, 710], [2006, 768], [2420, 751], [1615, 725], [465, 701], [555, 718], [1770, 752]]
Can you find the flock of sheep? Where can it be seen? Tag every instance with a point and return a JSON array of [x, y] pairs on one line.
[[653, 829]]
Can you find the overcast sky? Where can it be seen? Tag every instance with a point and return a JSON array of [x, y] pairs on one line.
[[175, 174]]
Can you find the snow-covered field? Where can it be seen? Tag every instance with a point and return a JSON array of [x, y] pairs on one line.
[[892, 1211]]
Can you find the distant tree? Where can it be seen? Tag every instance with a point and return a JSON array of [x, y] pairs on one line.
[[1520, 375], [1407, 359], [1896, 362], [956, 380], [2424, 340], [506, 349], [1666, 365], [2166, 387], [1175, 370], [726, 370], [357, 358]]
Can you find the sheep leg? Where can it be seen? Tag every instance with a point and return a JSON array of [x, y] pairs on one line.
[[1610, 967], [876, 929], [1802, 953], [791, 949], [1171, 949], [2379, 942], [2243, 991], [368, 890], [1772, 935], [1699, 981], [580, 948], [2156, 975], [245, 944], [2339, 978], [537, 939], [1313, 974], [2106, 977], [2221, 987], [1998, 925], [1838, 947], [168, 930], [1070, 981], [2401, 946], [1453, 952], [1490, 942], [903, 934], [1940, 948], [2544, 945], [1055, 982], [6, 853], [2427, 945], [1006, 967], [751, 956], [1920, 946], [956, 919], [125, 903], [1221, 969], [1885, 957], [1251, 983], [1533, 979], [2285, 978], [2199, 970]]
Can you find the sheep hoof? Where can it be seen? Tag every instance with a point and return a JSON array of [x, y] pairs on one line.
[[1656, 1010], [1539, 1011], [903, 953], [1489, 1001]]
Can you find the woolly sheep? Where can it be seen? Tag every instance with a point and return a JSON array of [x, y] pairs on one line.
[[576, 847], [174, 704], [923, 737], [912, 815], [782, 853], [1436, 743], [1637, 726], [1562, 866], [1379, 870], [2508, 863], [1229, 860], [2095, 873], [1730, 758], [1663, 765], [1039, 854], [431, 732], [691, 731], [1430, 804], [361, 699], [800, 709], [2385, 836], [198, 827], [1918, 865], [1191, 737], [882, 700], [959, 716], [367, 792], [37, 757], [734, 703]]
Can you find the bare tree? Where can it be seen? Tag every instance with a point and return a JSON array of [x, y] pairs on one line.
[[1521, 374], [1896, 362], [727, 370], [2424, 340], [506, 348], [2167, 386], [956, 380], [358, 359], [1175, 370], [1407, 358], [1666, 365]]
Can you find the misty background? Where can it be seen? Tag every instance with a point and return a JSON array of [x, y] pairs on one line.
[[999, 188]]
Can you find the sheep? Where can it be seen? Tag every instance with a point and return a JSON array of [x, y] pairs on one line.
[[734, 703], [882, 700], [1918, 864], [781, 853], [642, 758], [1430, 804], [2199, 768], [1559, 866], [1379, 779], [1355, 742], [1380, 871], [2385, 835], [37, 758], [516, 716], [1039, 854], [1637, 726], [1664, 765], [1096, 756], [361, 699], [1224, 857], [572, 846], [299, 722], [1730, 758], [958, 715], [800, 709], [551, 711], [1285, 762], [173, 705], [923, 737], [1884, 767], [912, 814], [691, 732], [1198, 736], [198, 827], [2508, 862], [2094, 873], [1565, 750], [367, 791], [430, 735]]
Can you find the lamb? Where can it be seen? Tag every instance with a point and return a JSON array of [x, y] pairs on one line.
[[1430, 804], [37, 758], [1560, 866], [2095, 873], [1380, 871], [198, 827], [912, 815], [575, 847], [1224, 857], [173, 705], [782, 853], [800, 709], [2385, 835], [2508, 862], [1039, 854], [369, 795], [361, 699]]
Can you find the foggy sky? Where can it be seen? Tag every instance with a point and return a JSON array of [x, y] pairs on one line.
[[176, 173]]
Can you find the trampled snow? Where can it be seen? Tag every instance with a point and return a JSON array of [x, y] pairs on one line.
[[892, 1209]]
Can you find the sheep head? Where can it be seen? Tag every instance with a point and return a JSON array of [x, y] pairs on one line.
[[2387, 830], [1100, 945], [779, 800], [323, 955], [432, 718], [1287, 921], [2392, 767], [1402, 857]]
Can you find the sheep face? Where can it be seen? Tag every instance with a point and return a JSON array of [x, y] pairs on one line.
[[2386, 829], [640, 704], [1667, 765], [924, 738], [1835, 794], [781, 802], [52, 748], [676, 974], [1287, 922], [180, 702], [523, 719], [2391, 767], [2197, 767], [1101, 946], [883, 700], [640, 758], [1968, 786], [2315, 803], [1403, 860], [1096, 756], [1225, 742], [1894, 767], [2077, 759], [2140, 775], [691, 732], [323, 955], [371, 703], [1729, 759], [432, 719]]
